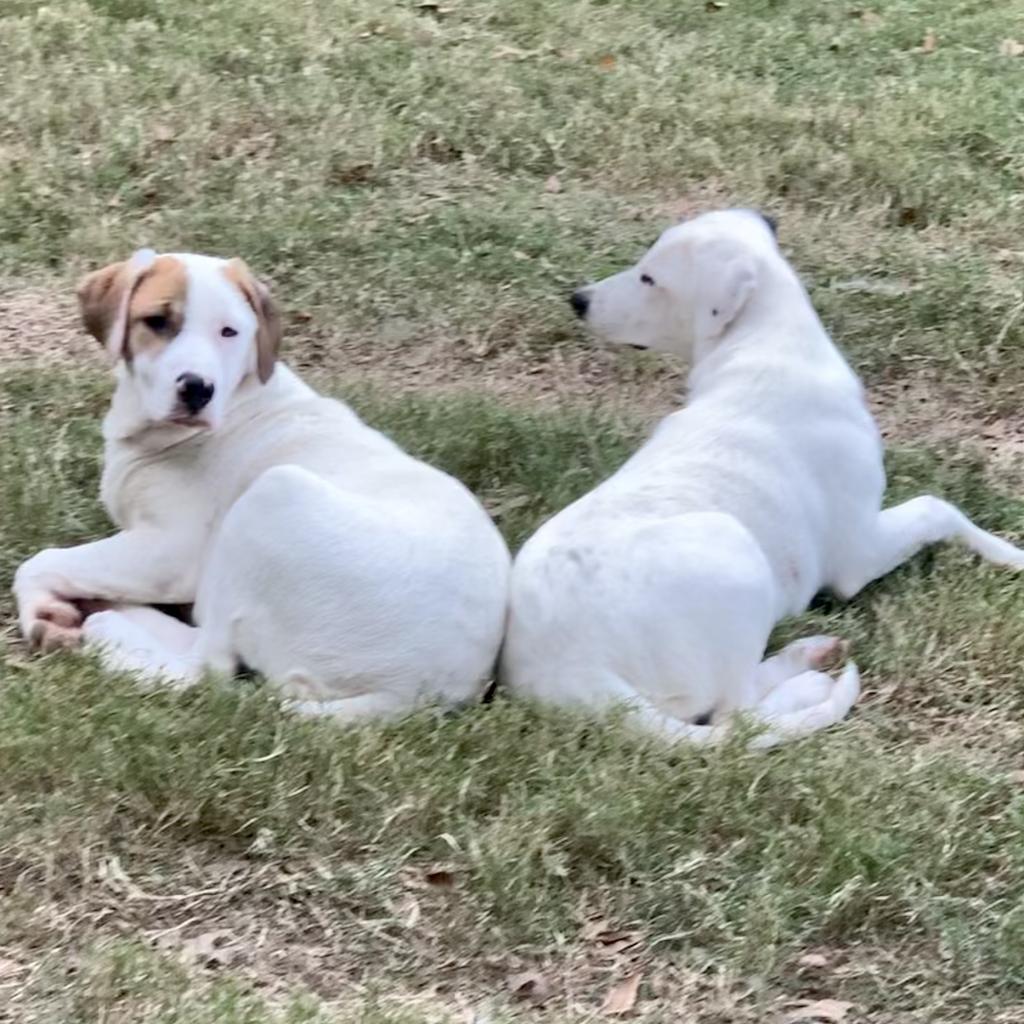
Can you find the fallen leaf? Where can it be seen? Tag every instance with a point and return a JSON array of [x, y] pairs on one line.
[[607, 62], [553, 184], [824, 1011], [1011, 48], [164, 133], [351, 174], [9, 968], [715, 5], [621, 998], [443, 878], [531, 986], [929, 44], [813, 960], [867, 17], [211, 949]]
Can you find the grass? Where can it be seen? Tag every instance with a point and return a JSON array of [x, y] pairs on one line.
[[423, 182]]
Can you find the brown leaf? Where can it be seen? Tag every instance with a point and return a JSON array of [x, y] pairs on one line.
[[607, 62], [440, 877], [621, 998], [824, 1011], [813, 960], [553, 184], [1011, 48], [211, 949], [531, 986], [929, 44]]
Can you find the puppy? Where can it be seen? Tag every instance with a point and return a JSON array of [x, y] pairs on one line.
[[659, 589], [358, 579]]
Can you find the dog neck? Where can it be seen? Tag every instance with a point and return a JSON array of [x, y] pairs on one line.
[[778, 318]]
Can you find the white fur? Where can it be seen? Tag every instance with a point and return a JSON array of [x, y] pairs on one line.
[[357, 578], [659, 589]]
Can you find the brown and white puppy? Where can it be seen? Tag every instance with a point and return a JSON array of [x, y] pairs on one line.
[[359, 579]]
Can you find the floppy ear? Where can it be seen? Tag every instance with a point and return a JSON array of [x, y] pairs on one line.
[[726, 277], [268, 317], [103, 299]]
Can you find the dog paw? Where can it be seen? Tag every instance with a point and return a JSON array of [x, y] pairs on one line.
[[825, 653], [53, 624], [45, 636]]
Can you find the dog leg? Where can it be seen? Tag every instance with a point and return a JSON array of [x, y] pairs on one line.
[[347, 710], [801, 705], [143, 642], [901, 532], [813, 652]]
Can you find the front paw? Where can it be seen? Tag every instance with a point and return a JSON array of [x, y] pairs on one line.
[[50, 623]]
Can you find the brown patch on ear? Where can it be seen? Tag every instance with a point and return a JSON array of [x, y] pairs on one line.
[[99, 298], [268, 333]]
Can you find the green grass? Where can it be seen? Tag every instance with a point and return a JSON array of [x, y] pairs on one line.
[[388, 165]]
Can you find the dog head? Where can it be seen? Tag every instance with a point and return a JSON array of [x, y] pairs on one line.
[[189, 329], [687, 289]]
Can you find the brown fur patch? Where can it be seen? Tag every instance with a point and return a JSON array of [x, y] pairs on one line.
[[159, 294], [268, 335]]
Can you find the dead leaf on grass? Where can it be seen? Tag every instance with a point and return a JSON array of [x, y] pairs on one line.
[[621, 998], [815, 960], [211, 949], [607, 62], [9, 968], [715, 5], [531, 986], [1011, 48], [929, 44], [442, 878], [867, 17], [553, 184], [823, 1011]]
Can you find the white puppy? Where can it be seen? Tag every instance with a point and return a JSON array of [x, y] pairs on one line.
[[659, 589], [358, 579]]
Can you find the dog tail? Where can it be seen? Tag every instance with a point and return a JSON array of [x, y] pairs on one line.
[[776, 729]]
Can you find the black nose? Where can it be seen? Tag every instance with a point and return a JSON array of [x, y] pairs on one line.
[[194, 392], [579, 300]]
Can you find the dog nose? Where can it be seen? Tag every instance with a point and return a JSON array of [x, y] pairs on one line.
[[579, 300], [195, 392]]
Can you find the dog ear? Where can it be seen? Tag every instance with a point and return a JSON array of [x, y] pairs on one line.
[[726, 278], [268, 317], [104, 297]]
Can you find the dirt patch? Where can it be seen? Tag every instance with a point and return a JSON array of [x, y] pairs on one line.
[[924, 411], [39, 326]]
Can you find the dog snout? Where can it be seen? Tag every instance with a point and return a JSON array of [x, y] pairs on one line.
[[580, 302], [194, 391]]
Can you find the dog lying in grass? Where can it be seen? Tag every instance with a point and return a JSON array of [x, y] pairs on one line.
[[358, 579], [659, 589]]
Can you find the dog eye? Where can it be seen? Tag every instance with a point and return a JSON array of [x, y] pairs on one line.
[[157, 322], [228, 332], [647, 279]]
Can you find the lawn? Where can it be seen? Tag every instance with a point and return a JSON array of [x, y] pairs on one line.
[[423, 182]]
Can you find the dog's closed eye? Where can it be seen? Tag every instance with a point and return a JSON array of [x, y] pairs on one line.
[[228, 332], [646, 279]]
